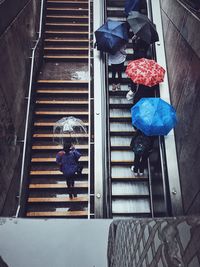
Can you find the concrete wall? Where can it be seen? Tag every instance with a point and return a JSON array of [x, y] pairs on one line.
[[182, 43], [15, 49]]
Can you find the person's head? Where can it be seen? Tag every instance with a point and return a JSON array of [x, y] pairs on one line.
[[67, 146]]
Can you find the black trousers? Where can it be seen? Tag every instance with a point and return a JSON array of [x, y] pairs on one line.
[[117, 69], [140, 162]]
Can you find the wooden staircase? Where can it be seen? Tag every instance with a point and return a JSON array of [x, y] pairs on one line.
[[66, 39], [66, 34]]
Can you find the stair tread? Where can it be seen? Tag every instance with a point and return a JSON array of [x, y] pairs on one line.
[[65, 91], [51, 172], [51, 124], [41, 159], [52, 186], [81, 102], [68, 8], [55, 147], [67, 1], [134, 178], [66, 24], [67, 32], [57, 213], [61, 112], [59, 135], [66, 48], [69, 16], [63, 81], [66, 40], [56, 199], [66, 56]]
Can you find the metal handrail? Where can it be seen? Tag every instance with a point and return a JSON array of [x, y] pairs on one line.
[[28, 106], [89, 107], [169, 155]]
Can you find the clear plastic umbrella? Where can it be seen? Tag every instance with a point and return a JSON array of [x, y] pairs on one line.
[[69, 129]]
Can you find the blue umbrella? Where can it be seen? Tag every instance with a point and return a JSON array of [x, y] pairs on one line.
[[111, 36], [153, 116], [131, 5]]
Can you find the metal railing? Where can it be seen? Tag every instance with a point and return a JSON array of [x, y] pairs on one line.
[[27, 123], [168, 153]]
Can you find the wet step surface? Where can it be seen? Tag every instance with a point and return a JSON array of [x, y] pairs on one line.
[[61, 91]]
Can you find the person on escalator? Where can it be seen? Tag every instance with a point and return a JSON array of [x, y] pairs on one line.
[[141, 145], [116, 62], [67, 159]]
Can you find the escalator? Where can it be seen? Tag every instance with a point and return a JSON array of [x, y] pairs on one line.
[[131, 196], [61, 91]]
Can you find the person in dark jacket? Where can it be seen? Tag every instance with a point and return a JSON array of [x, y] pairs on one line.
[[141, 145], [69, 165]]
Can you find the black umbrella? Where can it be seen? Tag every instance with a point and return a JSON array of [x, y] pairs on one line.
[[142, 27], [111, 36]]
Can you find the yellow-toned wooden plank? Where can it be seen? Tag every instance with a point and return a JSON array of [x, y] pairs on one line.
[[55, 147], [53, 159], [63, 81], [51, 172], [57, 213], [57, 186], [56, 199], [61, 102], [38, 135]]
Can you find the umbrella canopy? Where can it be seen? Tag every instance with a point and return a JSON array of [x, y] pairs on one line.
[[145, 71], [68, 128], [153, 116], [131, 5], [143, 27], [111, 36]]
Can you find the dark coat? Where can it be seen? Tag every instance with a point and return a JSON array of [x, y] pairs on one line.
[[68, 162], [141, 144]]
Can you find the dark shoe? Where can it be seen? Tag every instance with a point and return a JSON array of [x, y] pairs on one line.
[[70, 196], [75, 195]]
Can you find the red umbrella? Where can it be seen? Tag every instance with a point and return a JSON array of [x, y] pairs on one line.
[[145, 71]]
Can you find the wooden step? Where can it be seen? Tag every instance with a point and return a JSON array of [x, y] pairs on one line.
[[69, 57], [56, 199], [73, 17], [51, 172], [51, 124], [57, 186], [62, 82], [55, 147], [66, 48], [56, 91], [67, 40], [54, 160], [73, 113], [67, 24], [38, 135], [74, 33], [62, 102], [67, 1], [66, 9], [74, 213]]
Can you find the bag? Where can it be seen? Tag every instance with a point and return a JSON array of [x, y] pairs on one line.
[[141, 145], [130, 95]]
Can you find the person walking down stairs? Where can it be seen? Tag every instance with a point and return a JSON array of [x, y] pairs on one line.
[[67, 159], [117, 64]]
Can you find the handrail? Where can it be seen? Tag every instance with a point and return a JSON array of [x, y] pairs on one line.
[[99, 120], [169, 140], [28, 107], [89, 107]]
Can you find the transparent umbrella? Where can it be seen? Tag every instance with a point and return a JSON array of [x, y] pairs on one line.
[[69, 129]]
